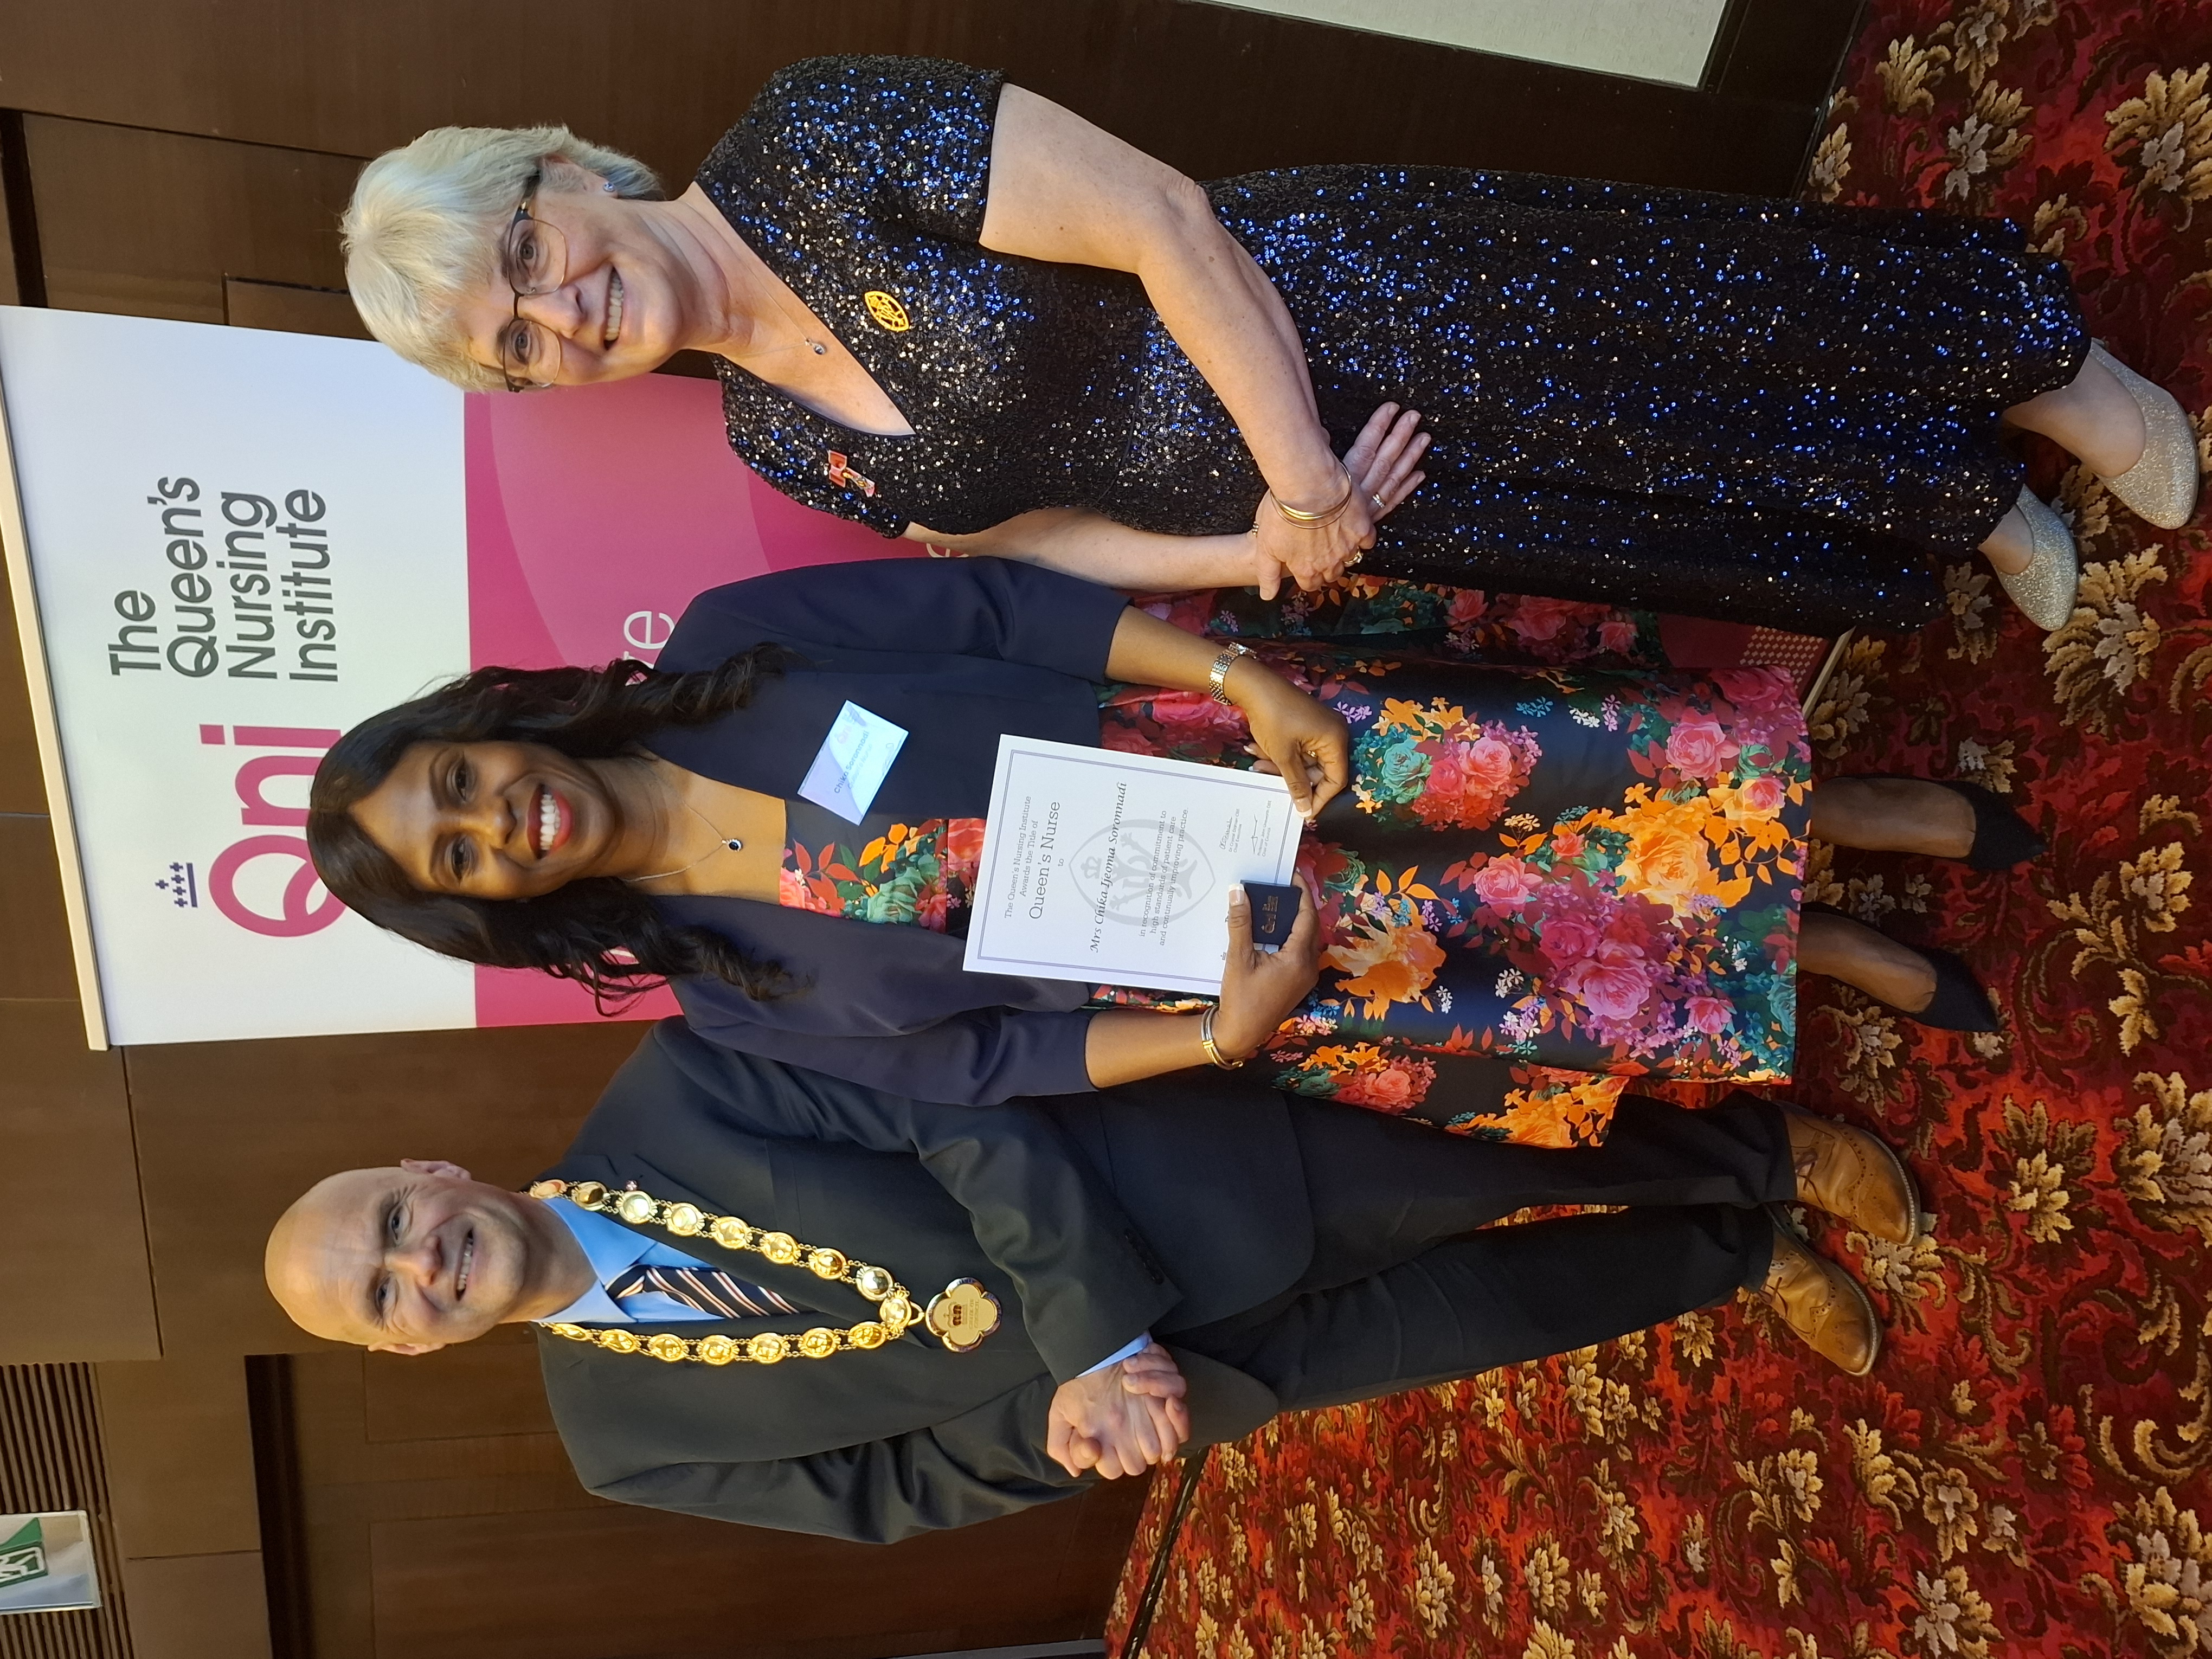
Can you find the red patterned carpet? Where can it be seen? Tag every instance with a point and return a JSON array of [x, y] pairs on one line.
[[2029, 1470]]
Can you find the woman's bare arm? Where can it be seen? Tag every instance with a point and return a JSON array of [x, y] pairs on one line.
[[1383, 459], [1063, 189], [1260, 990], [1080, 543]]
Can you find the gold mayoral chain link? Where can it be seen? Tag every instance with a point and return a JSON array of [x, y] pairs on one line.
[[960, 1315]]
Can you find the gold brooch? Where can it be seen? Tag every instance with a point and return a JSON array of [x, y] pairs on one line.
[[960, 1317], [887, 311]]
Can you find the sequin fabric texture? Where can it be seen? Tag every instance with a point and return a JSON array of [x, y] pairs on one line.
[[1769, 412]]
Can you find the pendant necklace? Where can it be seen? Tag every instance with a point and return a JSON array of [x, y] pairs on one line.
[[805, 339], [726, 844]]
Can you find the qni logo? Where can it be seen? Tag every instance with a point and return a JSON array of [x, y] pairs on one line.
[[299, 749]]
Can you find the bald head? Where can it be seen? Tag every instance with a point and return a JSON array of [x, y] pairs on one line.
[[410, 1258]]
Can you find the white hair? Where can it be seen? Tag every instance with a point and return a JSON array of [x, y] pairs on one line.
[[422, 231]]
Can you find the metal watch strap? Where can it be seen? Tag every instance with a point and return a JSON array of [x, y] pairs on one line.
[[1218, 677]]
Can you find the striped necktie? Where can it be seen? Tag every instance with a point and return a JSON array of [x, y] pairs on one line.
[[706, 1289]]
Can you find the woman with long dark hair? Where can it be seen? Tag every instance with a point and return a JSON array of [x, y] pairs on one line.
[[1528, 886]]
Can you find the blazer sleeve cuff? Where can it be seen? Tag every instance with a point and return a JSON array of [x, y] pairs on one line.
[[977, 1059], [1057, 621], [1129, 1350], [1058, 1063]]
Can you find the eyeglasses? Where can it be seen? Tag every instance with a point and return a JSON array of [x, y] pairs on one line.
[[533, 257]]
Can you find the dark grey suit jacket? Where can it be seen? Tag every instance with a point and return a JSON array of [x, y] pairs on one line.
[[1164, 1206]]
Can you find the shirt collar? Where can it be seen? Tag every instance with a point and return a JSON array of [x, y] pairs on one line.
[[613, 1249]]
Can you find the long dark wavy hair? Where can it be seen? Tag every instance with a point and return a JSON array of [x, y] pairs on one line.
[[597, 931]]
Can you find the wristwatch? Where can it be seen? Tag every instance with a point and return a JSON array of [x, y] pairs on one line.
[[1217, 675]]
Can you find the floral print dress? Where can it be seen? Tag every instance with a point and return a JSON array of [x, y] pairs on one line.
[[1542, 884]]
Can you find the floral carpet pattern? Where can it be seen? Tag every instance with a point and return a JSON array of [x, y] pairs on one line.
[[2029, 1469]]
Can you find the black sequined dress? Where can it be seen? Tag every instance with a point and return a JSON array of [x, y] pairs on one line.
[[1720, 405]]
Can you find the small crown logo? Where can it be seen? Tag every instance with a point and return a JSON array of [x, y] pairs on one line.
[[182, 884]]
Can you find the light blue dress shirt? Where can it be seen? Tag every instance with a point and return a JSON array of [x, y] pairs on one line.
[[613, 1249]]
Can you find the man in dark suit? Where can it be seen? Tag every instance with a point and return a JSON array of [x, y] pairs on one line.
[[1168, 1264]]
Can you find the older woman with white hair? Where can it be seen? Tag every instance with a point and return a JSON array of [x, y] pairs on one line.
[[947, 308]]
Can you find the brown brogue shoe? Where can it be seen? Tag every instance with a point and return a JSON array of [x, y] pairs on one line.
[[1850, 1173], [1821, 1302]]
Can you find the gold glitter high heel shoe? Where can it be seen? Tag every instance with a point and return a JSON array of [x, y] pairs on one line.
[[2044, 591], [2161, 487]]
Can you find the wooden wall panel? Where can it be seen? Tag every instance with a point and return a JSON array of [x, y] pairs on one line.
[[1213, 89], [482, 1587], [290, 308], [149, 224], [186, 1517], [75, 1285], [490, 1386], [230, 1133], [198, 1607], [22, 789], [9, 293], [38, 965], [180, 1456]]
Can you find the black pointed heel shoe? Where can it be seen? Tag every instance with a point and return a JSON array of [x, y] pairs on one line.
[[2001, 837], [1960, 1004]]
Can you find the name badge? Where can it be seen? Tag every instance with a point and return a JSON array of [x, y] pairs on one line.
[[852, 762]]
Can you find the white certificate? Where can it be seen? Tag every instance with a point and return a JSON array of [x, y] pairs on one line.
[[1114, 869]]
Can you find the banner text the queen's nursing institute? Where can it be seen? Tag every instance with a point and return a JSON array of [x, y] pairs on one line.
[[270, 614]]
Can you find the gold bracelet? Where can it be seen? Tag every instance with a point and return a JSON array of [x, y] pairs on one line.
[[1217, 675], [1206, 1042], [1327, 516]]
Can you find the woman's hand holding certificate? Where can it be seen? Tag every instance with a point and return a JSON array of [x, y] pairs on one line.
[[1260, 989], [1303, 741]]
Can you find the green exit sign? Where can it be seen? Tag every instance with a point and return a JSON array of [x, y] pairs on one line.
[[46, 1562]]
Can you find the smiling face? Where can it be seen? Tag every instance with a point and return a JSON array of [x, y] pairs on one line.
[[496, 820], [410, 1258], [626, 295]]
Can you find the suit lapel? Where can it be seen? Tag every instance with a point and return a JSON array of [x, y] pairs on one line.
[[767, 745]]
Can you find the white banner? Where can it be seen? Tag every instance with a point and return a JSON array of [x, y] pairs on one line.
[[240, 542], [236, 544]]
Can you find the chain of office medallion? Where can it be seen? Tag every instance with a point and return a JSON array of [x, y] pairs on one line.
[[895, 1308]]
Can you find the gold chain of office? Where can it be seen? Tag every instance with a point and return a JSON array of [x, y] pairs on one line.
[[894, 1307]]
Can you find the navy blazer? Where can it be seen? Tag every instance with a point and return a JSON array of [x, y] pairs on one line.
[[957, 652]]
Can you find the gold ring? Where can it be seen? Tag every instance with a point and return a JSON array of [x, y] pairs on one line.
[[1357, 554], [1377, 499]]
